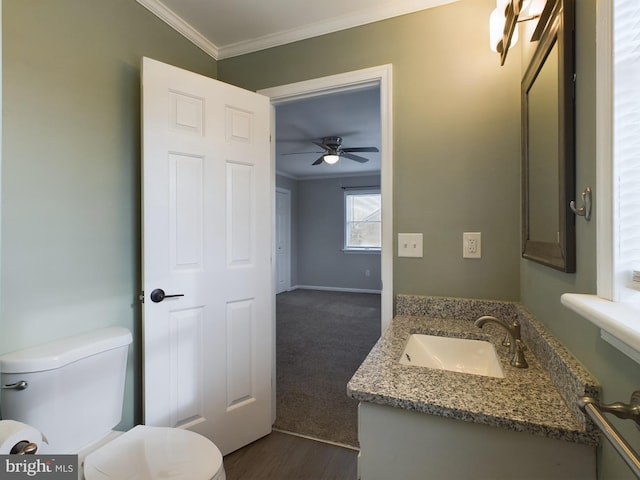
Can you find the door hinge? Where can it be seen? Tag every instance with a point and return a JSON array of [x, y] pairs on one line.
[[141, 297]]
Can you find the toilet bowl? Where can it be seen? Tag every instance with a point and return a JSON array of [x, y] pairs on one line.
[[155, 452], [79, 417]]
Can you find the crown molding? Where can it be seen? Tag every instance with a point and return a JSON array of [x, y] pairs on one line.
[[327, 176], [281, 173], [322, 28], [345, 22], [181, 26]]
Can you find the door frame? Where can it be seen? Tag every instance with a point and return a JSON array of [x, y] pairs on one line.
[[380, 76], [286, 192]]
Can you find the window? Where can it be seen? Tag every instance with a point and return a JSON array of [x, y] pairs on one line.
[[626, 150], [363, 220], [616, 307]]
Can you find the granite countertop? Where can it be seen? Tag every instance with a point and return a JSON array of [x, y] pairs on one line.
[[525, 400]]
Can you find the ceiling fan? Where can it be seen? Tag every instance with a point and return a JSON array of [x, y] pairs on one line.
[[333, 150]]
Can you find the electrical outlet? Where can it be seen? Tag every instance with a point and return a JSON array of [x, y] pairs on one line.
[[471, 245], [410, 245]]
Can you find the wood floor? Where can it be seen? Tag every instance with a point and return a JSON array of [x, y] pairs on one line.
[[281, 456]]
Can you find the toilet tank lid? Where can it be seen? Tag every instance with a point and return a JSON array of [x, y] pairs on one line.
[[58, 353]]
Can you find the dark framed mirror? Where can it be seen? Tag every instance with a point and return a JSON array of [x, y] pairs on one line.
[[548, 143]]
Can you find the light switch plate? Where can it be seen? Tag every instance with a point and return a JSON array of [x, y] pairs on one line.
[[410, 245], [471, 245]]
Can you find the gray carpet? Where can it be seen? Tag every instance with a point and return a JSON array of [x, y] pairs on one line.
[[321, 339]]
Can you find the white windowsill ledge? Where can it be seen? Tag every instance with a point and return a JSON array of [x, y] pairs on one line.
[[619, 322]]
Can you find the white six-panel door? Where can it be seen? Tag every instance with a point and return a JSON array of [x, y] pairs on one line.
[[207, 236]]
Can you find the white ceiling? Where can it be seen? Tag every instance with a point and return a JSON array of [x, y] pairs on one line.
[[226, 28]]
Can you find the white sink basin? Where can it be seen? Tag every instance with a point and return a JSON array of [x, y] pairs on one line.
[[476, 357]]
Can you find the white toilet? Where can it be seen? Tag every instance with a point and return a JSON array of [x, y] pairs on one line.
[[72, 391]]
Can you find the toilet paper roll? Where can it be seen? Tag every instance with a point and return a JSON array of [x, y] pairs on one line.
[[13, 434]]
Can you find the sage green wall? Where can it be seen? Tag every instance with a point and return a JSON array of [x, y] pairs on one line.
[[456, 166], [70, 173], [541, 287], [456, 118], [71, 167]]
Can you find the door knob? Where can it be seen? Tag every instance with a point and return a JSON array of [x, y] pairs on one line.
[[158, 295], [21, 385]]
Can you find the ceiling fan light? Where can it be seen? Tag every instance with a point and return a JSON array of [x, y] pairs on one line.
[[331, 159]]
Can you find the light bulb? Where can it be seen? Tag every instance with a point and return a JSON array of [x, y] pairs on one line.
[[331, 159], [496, 27], [533, 7]]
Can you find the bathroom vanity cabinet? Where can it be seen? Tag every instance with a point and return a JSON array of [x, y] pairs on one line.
[[397, 443], [430, 423]]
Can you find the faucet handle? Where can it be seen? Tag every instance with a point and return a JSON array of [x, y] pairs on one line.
[[518, 359], [516, 326], [513, 340]]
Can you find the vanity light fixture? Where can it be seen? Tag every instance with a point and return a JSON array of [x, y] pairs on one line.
[[497, 23], [504, 19], [331, 159]]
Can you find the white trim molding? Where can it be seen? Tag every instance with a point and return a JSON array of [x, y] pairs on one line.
[[185, 29], [618, 321], [334, 289], [380, 76], [302, 32], [339, 83], [604, 148], [336, 24]]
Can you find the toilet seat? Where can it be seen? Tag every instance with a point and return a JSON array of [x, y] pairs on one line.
[[156, 452]]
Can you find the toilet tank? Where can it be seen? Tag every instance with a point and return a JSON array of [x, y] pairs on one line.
[[74, 387]]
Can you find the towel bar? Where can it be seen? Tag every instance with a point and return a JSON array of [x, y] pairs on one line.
[[593, 409]]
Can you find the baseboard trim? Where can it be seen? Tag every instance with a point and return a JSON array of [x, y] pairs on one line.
[[307, 437], [334, 289]]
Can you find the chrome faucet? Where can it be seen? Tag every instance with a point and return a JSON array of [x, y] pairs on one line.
[[513, 340]]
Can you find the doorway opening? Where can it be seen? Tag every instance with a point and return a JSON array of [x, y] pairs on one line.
[[377, 82], [379, 77]]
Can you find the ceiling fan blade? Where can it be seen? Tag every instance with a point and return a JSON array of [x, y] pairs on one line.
[[360, 149], [318, 161], [321, 145], [351, 156], [298, 153]]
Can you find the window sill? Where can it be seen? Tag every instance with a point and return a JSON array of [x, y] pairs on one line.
[[619, 322]]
